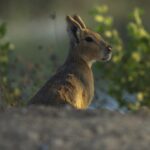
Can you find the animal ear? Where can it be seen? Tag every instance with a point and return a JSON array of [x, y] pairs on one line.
[[80, 21], [74, 29]]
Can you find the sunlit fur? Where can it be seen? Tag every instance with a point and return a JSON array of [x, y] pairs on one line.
[[73, 82]]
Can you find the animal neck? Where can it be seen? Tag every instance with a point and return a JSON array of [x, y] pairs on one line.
[[74, 55]]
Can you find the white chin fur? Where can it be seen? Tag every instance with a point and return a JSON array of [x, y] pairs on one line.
[[91, 63], [107, 58]]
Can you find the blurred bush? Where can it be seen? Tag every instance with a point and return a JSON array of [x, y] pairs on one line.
[[7, 91], [129, 70], [18, 79]]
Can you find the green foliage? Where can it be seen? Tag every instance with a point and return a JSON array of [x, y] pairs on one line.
[[18, 79], [2, 30], [14, 74], [129, 69], [10, 94]]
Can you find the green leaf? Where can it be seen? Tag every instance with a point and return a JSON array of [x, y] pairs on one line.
[[2, 30]]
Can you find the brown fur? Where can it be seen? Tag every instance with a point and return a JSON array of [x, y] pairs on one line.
[[73, 82]]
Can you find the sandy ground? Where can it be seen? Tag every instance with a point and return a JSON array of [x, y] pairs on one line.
[[46, 128]]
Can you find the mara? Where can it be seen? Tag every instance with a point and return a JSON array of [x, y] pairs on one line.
[[73, 82]]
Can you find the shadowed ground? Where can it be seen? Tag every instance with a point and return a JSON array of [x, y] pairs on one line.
[[40, 128]]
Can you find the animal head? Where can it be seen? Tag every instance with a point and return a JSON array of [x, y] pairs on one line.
[[86, 43]]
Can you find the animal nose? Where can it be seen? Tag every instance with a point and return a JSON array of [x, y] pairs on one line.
[[109, 48]]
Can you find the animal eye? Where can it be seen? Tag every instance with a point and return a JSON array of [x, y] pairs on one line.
[[89, 39]]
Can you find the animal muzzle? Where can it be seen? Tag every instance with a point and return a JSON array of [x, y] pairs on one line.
[[107, 53]]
